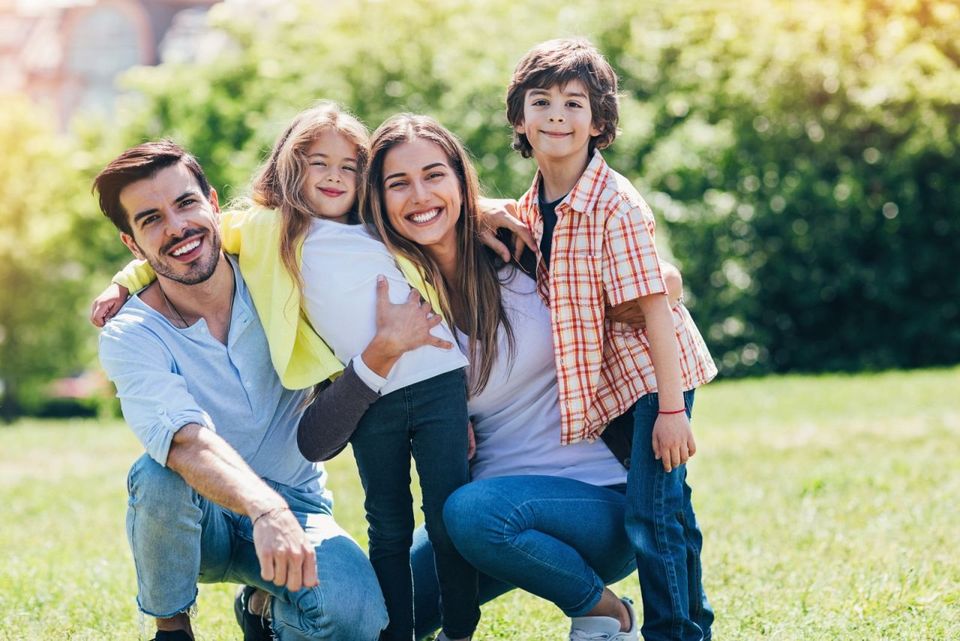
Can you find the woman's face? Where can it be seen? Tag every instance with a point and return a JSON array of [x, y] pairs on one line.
[[422, 194]]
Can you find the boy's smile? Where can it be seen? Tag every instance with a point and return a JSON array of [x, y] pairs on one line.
[[558, 123]]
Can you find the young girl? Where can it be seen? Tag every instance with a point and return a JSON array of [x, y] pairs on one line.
[[322, 283]]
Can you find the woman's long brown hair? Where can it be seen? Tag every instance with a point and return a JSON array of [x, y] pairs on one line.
[[477, 284]]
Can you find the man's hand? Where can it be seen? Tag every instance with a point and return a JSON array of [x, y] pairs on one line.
[[501, 213], [286, 556], [673, 442], [108, 303], [400, 328]]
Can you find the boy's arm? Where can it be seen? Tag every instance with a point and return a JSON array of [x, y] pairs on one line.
[[673, 442], [633, 272], [630, 312], [501, 213]]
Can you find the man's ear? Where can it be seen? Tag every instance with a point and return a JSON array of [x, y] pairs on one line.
[[214, 200], [131, 245]]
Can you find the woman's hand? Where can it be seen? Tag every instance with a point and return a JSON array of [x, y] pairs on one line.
[[108, 303], [400, 328]]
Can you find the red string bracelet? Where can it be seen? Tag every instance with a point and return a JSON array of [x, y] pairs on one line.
[[673, 412]]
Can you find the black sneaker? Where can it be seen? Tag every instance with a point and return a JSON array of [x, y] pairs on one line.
[[176, 635], [254, 626]]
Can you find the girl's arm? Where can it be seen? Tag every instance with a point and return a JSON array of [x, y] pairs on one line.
[[136, 275]]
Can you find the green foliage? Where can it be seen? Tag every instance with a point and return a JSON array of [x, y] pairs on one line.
[[819, 522], [43, 259], [800, 154]]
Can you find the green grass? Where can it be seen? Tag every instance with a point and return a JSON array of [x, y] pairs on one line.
[[829, 507]]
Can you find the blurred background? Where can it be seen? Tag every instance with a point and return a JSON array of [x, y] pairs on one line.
[[801, 156]]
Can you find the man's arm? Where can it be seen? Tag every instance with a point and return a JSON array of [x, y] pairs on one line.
[[176, 433], [214, 469]]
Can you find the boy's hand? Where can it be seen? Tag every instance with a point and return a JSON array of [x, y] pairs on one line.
[[673, 442], [108, 303], [501, 213]]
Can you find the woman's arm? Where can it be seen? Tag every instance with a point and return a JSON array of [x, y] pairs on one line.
[[332, 417]]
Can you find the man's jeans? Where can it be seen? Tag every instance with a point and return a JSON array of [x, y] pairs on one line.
[[663, 529], [179, 538], [428, 420], [560, 539]]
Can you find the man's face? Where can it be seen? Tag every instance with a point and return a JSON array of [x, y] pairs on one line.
[[174, 226]]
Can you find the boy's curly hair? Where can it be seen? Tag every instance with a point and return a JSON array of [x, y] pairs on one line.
[[557, 62]]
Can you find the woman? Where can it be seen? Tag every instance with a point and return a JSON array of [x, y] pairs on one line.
[[536, 516]]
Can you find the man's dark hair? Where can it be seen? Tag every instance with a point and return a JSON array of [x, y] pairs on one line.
[[555, 63], [136, 164]]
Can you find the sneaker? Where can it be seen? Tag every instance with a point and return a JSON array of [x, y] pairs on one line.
[[254, 626], [604, 628], [175, 635]]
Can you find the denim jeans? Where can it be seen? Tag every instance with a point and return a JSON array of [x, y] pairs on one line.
[[557, 538], [178, 538], [429, 421], [663, 529]]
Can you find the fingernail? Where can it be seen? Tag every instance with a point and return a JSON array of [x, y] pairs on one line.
[[380, 278]]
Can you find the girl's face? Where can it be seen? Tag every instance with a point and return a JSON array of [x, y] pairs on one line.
[[330, 186], [422, 194]]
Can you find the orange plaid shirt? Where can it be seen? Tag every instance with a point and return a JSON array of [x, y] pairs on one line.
[[603, 254]]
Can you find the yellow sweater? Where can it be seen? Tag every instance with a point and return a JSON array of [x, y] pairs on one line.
[[299, 355]]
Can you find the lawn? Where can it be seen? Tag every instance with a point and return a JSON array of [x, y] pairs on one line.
[[829, 507]]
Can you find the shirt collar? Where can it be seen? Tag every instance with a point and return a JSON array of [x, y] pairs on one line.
[[585, 195]]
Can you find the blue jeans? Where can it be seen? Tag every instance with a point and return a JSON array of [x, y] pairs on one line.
[[429, 421], [663, 529], [560, 539], [178, 538]]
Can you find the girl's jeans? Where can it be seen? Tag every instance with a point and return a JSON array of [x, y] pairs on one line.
[[179, 538], [429, 421], [663, 529]]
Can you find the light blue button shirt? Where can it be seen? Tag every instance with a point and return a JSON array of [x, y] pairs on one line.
[[168, 377]]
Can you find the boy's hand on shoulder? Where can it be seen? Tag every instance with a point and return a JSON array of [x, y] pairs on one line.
[[673, 442], [501, 213]]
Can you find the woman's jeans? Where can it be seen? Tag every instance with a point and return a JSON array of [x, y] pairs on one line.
[[179, 538], [663, 529], [429, 421], [557, 538]]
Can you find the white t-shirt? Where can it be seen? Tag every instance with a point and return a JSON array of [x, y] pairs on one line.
[[340, 268], [516, 418]]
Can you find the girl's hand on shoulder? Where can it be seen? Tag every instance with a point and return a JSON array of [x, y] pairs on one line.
[[108, 303]]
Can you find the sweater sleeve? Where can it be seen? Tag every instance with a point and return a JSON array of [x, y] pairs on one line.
[[135, 275], [330, 420]]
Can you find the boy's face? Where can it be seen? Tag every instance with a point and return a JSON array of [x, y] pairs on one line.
[[558, 121]]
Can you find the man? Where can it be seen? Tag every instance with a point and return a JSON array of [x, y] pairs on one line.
[[222, 493]]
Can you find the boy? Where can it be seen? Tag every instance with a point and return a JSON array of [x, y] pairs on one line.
[[597, 258]]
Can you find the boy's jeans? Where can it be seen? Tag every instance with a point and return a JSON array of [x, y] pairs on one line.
[[663, 530], [429, 420], [179, 538]]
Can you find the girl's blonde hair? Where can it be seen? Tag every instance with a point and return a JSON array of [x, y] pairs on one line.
[[279, 182], [477, 286]]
